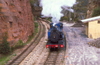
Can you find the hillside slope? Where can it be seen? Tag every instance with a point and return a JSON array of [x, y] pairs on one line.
[[16, 19]]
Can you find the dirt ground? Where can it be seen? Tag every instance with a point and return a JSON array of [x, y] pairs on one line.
[[78, 51]]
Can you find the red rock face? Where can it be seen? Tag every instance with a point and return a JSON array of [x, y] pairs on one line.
[[16, 19]]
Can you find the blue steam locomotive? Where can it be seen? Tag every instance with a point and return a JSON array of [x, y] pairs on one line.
[[56, 38]]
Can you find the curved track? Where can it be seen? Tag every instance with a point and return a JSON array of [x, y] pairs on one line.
[[20, 57], [46, 57]]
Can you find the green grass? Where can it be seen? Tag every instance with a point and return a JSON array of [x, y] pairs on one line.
[[4, 59]]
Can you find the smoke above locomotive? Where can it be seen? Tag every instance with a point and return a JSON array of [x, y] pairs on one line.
[[53, 8]]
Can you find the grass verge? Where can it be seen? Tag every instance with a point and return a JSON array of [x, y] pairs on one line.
[[5, 58]]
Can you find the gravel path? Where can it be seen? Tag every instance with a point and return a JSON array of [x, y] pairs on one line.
[[78, 51]]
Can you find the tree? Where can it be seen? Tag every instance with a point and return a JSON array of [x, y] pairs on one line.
[[96, 12], [80, 7]]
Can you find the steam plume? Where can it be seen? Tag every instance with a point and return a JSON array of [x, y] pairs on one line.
[[53, 8]]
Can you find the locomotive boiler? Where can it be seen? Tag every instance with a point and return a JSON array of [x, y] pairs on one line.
[[56, 37]]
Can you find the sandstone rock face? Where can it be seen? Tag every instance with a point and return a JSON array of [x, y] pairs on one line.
[[16, 19], [91, 6]]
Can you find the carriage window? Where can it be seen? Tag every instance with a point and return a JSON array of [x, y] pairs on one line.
[[99, 21]]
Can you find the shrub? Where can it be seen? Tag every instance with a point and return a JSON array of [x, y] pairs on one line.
[[64, 18], [32, 1], [34, 18], [4, 47], [18, 44], [36, 24], [36, 27], [96, 12]]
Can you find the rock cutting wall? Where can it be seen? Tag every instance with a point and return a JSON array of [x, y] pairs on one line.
[[91, 6], [16, 19]]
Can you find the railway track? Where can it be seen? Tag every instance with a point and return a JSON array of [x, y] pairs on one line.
[[54, 57], [17, 60], [51, 60]]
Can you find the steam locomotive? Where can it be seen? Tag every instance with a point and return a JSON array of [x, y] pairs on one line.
[[56, 38]]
